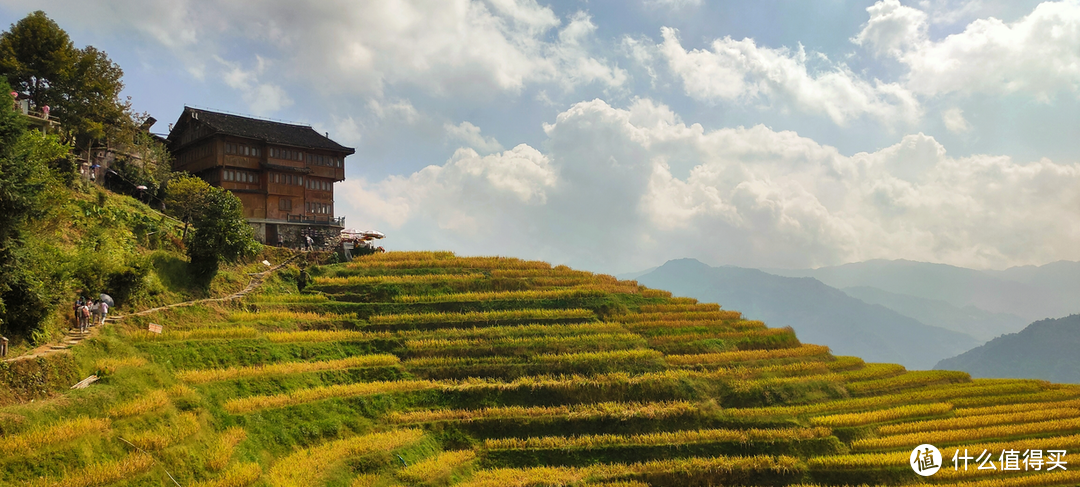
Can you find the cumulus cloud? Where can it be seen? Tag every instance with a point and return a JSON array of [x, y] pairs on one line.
[[1037, 55], [742, 71], [446, 48], [261, 98], [470, 135], [604, 196], [893, 28], [955, 121]]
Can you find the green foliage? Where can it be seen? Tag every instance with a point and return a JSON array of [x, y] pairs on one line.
[[35, 55], [221, 234]]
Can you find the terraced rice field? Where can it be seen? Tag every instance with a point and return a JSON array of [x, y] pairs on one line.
[[424, 368]]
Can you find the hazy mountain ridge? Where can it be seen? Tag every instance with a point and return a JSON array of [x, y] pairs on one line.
[[819, 313], [979, 323], [1032, 293], [1045, 349]]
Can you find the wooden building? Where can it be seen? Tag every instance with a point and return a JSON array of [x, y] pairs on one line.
[[283, 173]]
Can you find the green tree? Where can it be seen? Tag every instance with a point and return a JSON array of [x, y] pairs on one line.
[[221, 234], [35, 55], [81, 86], [186, 199]]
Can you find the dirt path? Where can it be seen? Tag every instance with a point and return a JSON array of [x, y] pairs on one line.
[[74, 337]]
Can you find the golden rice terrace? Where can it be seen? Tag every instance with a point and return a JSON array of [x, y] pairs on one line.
[[423, 368]]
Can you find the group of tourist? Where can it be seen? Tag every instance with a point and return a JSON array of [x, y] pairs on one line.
[[89, 312]]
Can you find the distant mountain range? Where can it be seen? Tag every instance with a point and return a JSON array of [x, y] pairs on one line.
[[913, 313], [1030, 293], [818, 313], [1046, 349]]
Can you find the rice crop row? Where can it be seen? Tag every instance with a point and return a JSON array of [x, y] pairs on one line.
[[681, 308], [747, 355], [177, 428], [482, 316], [616, 410], [664, 316], [309, 465], [61, 432], [325, 336], [655, 293], [229, 333], [1017, 408], [407, 255], [1014, 399], [660, 438], [479, 346], [716, 469], [240, 475], [222, 450], [255, 403], [663, 339], [557, 271], [571, 293], [949, 393], [907, 380], [607, 356], [102, 473], [264, 316], [289, 298], [111, 365], [501, 331], [952, 436], [656, 326], [882, 415], [437, 468], [456, 262], [396, 279], [153, 400], [682, 300], [201, 376], [874, 371], [979, 421]]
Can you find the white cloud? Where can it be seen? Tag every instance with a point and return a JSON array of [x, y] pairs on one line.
[[673, 4], [741, 71], [893, 28], [447, 48], [604, 196], [955, 121], [470, 135], [261, 98], [1037, 55]]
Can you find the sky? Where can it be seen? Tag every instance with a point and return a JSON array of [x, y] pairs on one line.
[[614, 135]]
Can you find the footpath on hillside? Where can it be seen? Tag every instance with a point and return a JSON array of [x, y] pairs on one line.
[[74, 337]]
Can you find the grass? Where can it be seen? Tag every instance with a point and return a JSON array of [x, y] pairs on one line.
[[308, 466]]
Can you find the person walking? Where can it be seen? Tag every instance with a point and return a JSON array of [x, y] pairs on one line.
[[309, 241], [104, 312], [75, 310], [84, 317], [95, 311]]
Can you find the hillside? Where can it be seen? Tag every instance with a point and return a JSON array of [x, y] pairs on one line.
[[1043, 350], [818, 313], [425, 368]]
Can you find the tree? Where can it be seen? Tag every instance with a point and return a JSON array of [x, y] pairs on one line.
[[35, 55], [186, 198], [221, 234], [81, 86]]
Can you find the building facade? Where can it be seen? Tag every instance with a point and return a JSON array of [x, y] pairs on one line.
[[283, 173]]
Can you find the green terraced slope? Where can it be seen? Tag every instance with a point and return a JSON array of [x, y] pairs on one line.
[[425, 368]]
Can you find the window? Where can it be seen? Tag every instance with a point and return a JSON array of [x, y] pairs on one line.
[[284, 204]]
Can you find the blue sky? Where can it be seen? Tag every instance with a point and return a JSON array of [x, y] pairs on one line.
[[614, 135]]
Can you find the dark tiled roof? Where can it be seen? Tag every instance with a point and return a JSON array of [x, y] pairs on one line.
[[272, 132]]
